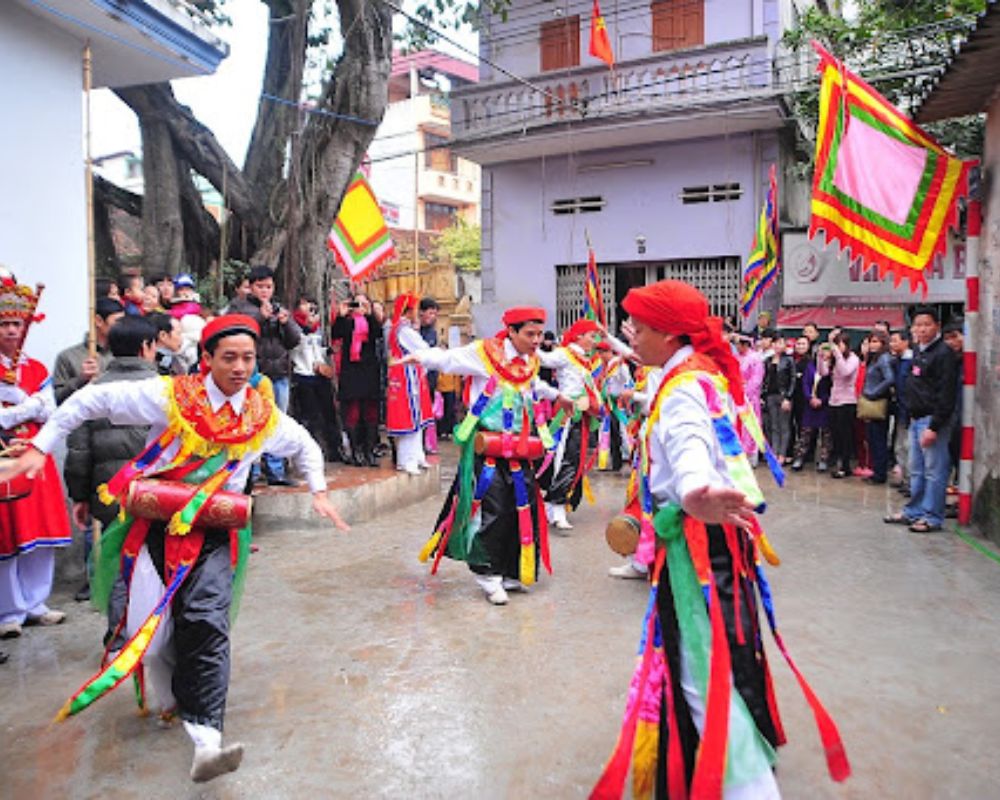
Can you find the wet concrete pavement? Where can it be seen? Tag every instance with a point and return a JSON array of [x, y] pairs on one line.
[[356, 674]]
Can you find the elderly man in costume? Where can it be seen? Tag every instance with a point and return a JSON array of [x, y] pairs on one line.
[[32, 526], [578, 373], [492, 518], [183, 538], [701, 718], [408, 400]]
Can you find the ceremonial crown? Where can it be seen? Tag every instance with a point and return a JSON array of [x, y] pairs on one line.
[[17, 301]]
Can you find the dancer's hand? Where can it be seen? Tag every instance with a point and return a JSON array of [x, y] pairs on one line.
[[30, 462], [720, 506], [323, 507]]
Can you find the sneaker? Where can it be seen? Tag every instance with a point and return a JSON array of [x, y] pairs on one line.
[[281, 481], [821, 466], [628, 572], [10, 630], [82, 594], [797, 465], [498, 597], [50, 617], [409, 469]]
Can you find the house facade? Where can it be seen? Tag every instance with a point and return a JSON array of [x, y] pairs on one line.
[[662, 161], [43, 229], [419, 181]]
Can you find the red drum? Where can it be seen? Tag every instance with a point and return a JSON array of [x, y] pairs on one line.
[[150, 498], [490, 443]]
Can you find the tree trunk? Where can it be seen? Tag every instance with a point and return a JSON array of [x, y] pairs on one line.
[[162, 226], [106, 261], [201, 231]]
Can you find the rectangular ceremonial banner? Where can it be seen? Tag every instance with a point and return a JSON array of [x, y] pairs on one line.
[[765, 258], [593, 299], [359, 238], [882, 188]]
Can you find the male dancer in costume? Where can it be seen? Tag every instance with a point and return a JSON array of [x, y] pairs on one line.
[[206, 432], [31, 527], [408, 399], [701, 719], [492, 518], [577, 373]]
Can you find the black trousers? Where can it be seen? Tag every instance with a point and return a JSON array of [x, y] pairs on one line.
[[201, 628], [313, 405], [842, 432], [748, 664], [559, 489]]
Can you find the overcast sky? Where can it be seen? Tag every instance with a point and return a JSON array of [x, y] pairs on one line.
[[226, 101]]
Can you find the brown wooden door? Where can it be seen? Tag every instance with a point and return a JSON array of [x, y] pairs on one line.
[[559, 43], [678, 24]]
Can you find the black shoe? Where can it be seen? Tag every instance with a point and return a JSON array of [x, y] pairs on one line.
[[282, 481], [797, 465], [372, 446], [82, 594], [838, 474], [356, 459]]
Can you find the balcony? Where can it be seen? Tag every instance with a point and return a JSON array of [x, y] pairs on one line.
[[683, 94]]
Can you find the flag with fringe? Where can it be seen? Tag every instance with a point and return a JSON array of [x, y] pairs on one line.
[[765, 258], [593, 299], [882, 189], [359, 238]]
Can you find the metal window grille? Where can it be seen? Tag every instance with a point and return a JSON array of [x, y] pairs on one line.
[[717, 278]]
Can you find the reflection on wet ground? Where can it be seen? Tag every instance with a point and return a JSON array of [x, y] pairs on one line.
[[357, 674]]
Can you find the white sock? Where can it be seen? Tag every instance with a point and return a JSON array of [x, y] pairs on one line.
[[203, 735]]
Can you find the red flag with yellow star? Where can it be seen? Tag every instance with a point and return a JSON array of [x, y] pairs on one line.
[[600, 44]]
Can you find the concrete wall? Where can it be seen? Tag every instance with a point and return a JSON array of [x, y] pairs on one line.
[[42, 208], [986, 477], [524, 240], [394, 179], [514, 45]]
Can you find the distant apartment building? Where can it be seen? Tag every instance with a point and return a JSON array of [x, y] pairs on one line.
[[420, 182], [663, 161]]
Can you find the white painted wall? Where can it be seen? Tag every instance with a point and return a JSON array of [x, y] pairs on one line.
[[43, 234], [393, 180]]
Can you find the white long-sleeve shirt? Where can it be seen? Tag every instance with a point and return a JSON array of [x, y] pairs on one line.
[[22, 407], [410, 339], [684, 451], [308, 353], [145, 403], [570, 376], [467, 361]]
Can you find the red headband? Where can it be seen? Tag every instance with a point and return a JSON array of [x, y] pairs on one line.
[[678, 308], [578, 329]]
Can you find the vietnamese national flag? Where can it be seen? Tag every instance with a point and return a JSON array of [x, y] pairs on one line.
[[600, 44]]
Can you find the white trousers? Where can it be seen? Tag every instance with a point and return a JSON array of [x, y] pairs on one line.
[[25, 584], [145, 592], [410, 450]]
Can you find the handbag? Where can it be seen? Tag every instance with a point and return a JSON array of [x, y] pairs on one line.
[[873, 410]]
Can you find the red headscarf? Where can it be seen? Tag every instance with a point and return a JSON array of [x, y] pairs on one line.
[[678, 308], [578, 329], [512, 316], [230, 325], [403, 304]]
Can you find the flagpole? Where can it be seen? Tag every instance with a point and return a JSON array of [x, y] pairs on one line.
[[970, 365], [89, 179]]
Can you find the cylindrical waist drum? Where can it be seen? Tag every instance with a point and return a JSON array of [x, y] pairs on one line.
[[150, 498], [490, 443], [622, 534]]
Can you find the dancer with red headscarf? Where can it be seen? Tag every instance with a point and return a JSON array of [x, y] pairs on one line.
[[493, 517], [408, 399], [701, 718], [578, 372]]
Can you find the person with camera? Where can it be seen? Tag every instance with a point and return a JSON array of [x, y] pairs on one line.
[[279, 334], [359, 332]]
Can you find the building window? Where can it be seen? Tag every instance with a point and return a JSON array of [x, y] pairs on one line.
[[714, 193], [439, 216], [578, 205], [559, 43], [438, 155], [678, 24]]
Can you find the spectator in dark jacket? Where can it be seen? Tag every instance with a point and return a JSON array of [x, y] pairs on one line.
[[776, 392], [954, 336], [278, 337], [169, 341], [902, 360], [816, 413], [879, 380], [97, 450], [74, 367], [930, 400]]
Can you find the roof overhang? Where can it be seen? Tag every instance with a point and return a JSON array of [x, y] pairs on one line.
[[136, 41], [972, 77]]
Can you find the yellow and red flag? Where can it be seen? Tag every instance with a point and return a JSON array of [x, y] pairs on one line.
[[593, 298], [882, 188], [600, 44], [359, 238]]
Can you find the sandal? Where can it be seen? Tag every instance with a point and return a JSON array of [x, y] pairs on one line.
[[923, 526], [898, 519]]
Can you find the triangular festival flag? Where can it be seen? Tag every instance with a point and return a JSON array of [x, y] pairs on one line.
[[359, 238], [765, 258], [882, 188]]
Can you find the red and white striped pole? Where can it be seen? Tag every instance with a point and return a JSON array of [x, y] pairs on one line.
[[970, 362]]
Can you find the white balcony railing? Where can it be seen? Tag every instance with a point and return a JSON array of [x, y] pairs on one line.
[[663, 83]]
